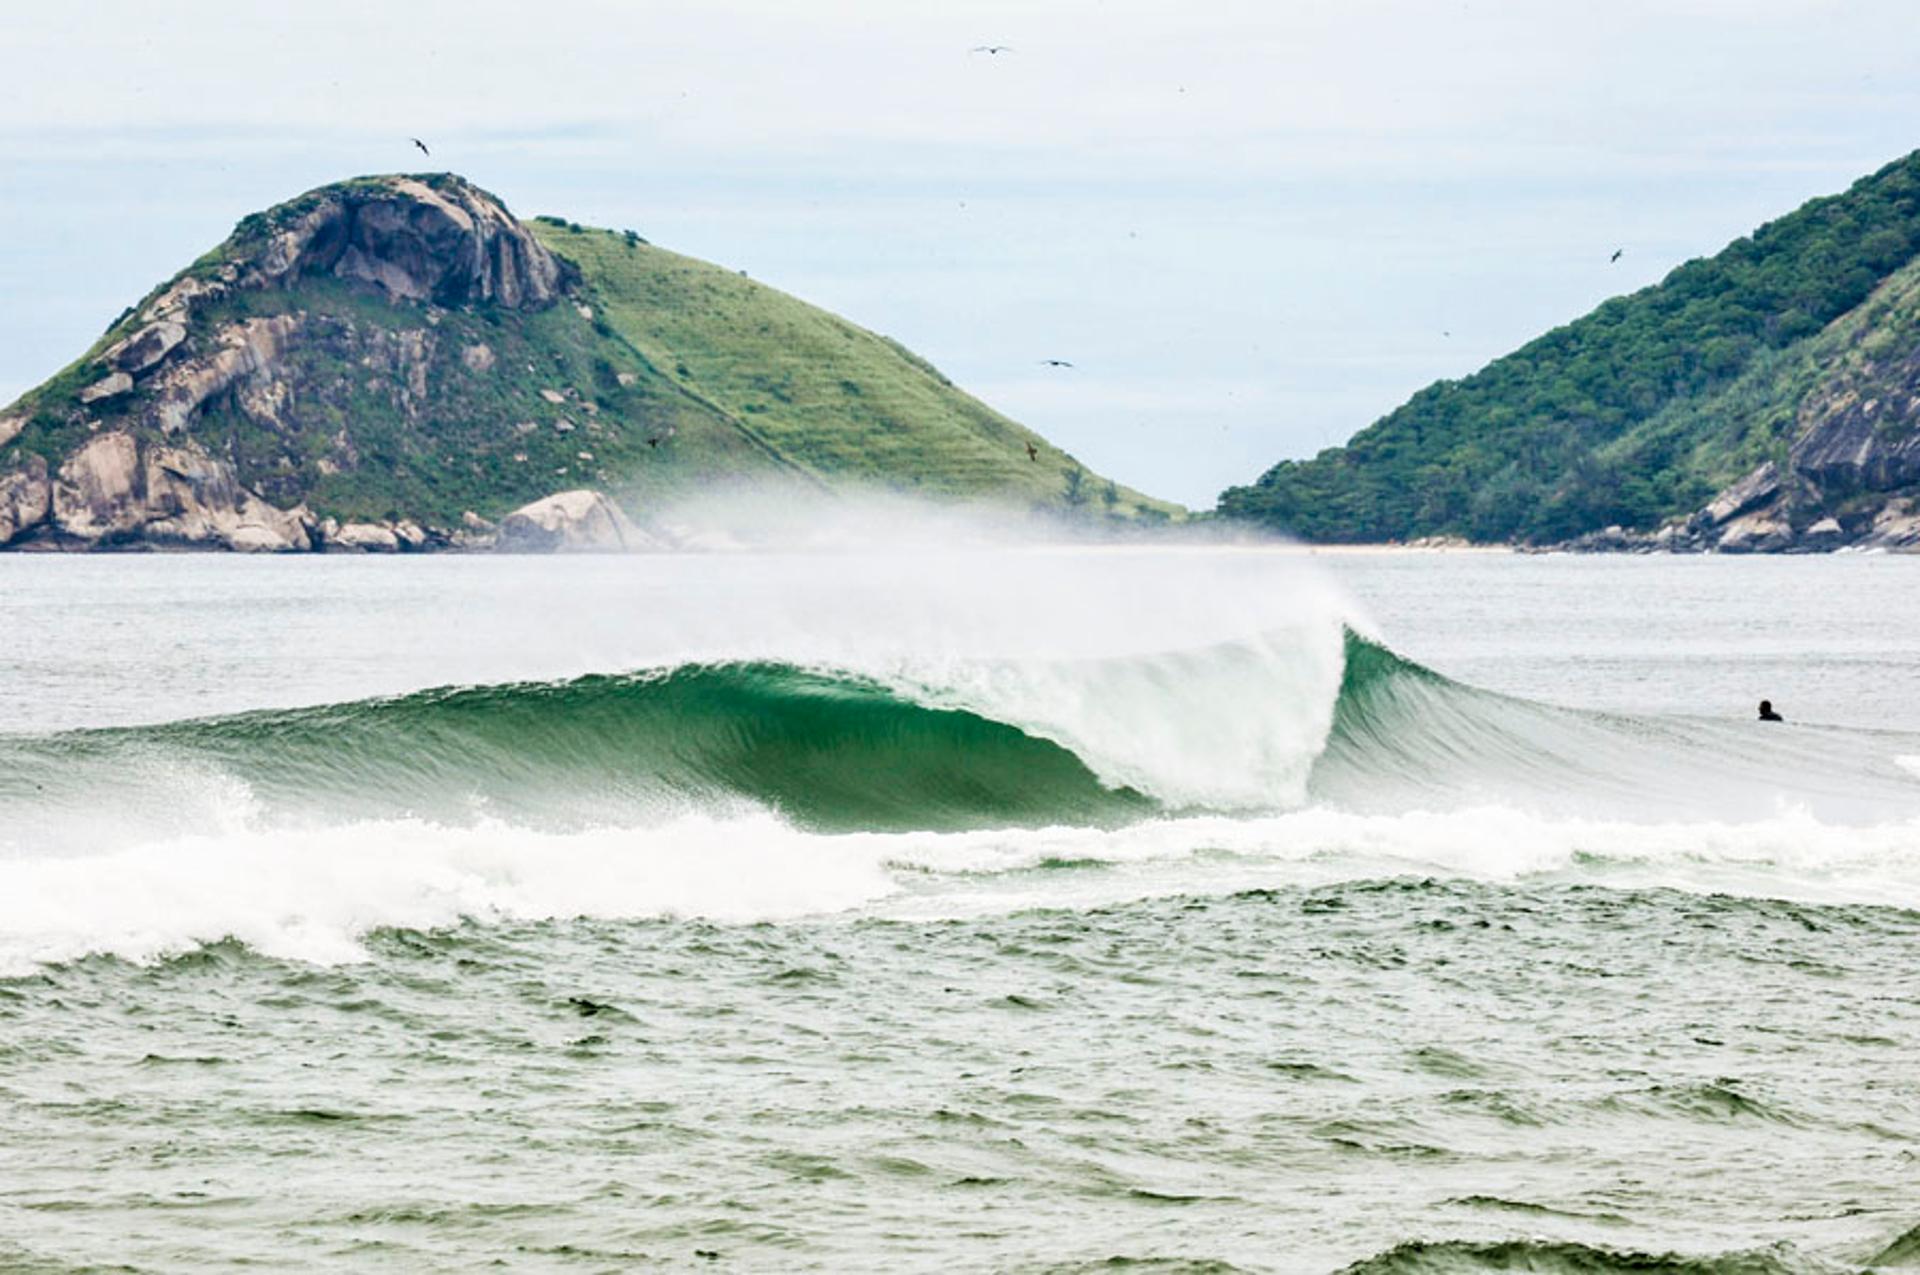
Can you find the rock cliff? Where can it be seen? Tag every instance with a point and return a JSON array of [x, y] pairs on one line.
[[1845, 465], [137, 471]]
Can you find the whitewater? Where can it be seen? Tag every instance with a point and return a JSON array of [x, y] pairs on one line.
[[858, 897]]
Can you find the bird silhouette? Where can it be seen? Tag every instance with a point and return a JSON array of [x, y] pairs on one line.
[[1616, 255], [422, 145], [1055, 363], [1033, 453], [653, 442], [991, 50]]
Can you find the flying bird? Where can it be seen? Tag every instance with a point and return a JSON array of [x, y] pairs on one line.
[[1616, 255], [991, 50], [1033, 453], [422, 145], [653, 442], [1055, 363]]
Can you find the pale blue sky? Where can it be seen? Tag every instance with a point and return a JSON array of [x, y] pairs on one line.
[[1251, 226]]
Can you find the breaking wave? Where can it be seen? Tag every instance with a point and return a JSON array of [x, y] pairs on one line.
[[760, 790]]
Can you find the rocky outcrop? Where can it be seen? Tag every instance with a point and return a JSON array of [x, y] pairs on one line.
[[26, 497], [241, 351], [570, 521], [192, 500], [1762, 532], [112, 385], [113, 492], [449, 243], [444, 242], [1849, 478], [149, 345], [140, 476], [363, 537], [95, 497]]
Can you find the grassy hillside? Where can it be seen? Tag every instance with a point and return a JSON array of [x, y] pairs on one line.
[[1635, 413], [835, 402]]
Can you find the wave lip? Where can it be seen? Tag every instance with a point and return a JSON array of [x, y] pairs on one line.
[[826, 751]]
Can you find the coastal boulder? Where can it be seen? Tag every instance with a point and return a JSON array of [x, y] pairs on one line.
[[96, 496], [1762, 532], [26, 497], [570, 521], [1824, 534], [1895, 527], [192, 499], [110, 386], [364, 537], [1757, 488]]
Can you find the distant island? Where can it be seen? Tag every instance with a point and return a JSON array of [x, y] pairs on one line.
[[398, 363], [1765, 399]]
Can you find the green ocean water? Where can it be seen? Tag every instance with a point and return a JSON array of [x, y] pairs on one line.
[[1092, 909]]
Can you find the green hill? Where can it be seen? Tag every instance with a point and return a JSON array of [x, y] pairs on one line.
[[1637, 413], [401, 352]]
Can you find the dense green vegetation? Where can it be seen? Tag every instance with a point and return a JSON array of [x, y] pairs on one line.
[[1635, 413]]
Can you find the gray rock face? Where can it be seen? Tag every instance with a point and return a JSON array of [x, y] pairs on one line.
[[115, 491], [193, 500], [95, 498], [141, 478], [1863, 444], [1825, 534], [148, 346], [1760, 532], [452, 245], [249, 350], [1756, 489], [26, 498], [111, 386], [363, 537], [1895, 527], [1847, 476]]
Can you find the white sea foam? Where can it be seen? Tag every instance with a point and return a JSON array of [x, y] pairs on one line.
[[1204, 677], [314, 894]]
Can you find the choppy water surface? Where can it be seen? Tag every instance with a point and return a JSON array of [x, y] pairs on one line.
[[1076, 909]]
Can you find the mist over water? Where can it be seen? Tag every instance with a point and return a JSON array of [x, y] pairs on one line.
[[872, 891]]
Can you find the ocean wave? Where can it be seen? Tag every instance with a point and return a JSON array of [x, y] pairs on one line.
[[762, 791], [314, 893], [1253, 726]]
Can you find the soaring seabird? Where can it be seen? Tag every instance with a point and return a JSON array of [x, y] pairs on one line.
[[1033, 453], [422, 145], [993, 50], [1055, 363], [1616, 255]]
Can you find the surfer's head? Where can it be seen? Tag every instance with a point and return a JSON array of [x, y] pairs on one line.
[[1766, 711]]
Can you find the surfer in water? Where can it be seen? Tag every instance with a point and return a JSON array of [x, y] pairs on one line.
[[1767, 714]]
